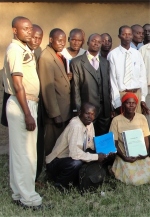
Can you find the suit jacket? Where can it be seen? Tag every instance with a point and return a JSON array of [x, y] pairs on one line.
[[55, 85], [85, 86]]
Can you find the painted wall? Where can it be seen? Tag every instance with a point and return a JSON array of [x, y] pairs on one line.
[[91, 18]]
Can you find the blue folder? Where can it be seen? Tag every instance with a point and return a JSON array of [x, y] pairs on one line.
[[105, 143]]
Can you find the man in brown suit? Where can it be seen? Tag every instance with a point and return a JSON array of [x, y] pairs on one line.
[[55, 88]]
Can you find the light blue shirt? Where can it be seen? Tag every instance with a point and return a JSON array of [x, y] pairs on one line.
[[136, 47]]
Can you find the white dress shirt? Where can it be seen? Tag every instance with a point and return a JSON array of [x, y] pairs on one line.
[[116, 59], [145, 51], [67, 55]]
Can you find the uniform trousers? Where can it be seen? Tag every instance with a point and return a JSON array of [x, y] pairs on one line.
[[22, 153]]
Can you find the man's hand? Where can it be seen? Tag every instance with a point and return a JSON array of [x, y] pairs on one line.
[[69, 76], [141, 157], [130, 159], [145, 109], [101, 157], [30, 123], [58, 121]]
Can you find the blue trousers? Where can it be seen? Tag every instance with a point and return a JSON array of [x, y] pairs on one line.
[[64, 170]]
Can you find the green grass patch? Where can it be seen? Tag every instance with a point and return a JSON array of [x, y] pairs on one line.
[[123, 201]]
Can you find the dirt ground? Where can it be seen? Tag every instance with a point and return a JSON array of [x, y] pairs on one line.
[[3, 130]]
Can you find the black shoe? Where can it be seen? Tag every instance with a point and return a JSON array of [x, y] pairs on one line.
[[19, 203]]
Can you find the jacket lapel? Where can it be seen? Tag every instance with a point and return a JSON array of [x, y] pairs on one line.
[[88, 66], [59, 63]]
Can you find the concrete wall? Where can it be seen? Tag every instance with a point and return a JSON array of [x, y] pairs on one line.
[[91, 18]]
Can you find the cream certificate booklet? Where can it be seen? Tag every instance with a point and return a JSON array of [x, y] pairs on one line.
[[134, 143]]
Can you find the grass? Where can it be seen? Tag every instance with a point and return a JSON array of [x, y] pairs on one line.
[[124, 201]]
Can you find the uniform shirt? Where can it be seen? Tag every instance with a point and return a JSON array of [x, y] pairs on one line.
[[121, 123], [67, 55], [116, 59], [70, 142], [145, 51], [19, 60]]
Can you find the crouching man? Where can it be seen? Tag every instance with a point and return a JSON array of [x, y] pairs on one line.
[[71, 148]]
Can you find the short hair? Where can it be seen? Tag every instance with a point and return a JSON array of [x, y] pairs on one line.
[[122, 27], [106, 34], [135, 25], [147, 24], [92, 35], [75, 31], [37, 27], [53, 31], [89, 104], [16, 19]]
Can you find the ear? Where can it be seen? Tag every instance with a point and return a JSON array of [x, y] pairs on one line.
[[14, 31], [88, 43], [50, 40], [68, 39], [119, 36]]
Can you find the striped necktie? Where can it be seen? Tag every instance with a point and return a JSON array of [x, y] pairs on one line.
[[128, 69], [85, 140]]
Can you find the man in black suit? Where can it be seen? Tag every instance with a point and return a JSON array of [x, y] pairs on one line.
[[91, 83]]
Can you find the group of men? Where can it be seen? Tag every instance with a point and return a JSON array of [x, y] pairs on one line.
[[71, 88]]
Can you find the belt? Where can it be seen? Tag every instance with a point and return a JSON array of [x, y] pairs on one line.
[[132, 90], [32, 98]]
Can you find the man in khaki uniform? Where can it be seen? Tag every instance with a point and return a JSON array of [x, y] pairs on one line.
[[55, 88], [22, 83]]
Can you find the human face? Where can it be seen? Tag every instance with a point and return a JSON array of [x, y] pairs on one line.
[[130, 106], [58, 41], [147, 33], [138, 34], [126, 37], [23, 30], [106, 43], [94, 43], [88, 115], [76, 41], [36, 39]]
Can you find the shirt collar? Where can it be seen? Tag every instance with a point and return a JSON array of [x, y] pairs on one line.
[[25, 47], [123, 50], [90, 57]]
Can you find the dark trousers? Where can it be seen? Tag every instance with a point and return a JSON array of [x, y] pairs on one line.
[[3, 116], [102, 123], [64, 170]]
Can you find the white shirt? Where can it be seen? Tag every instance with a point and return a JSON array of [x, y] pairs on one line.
[[116, 59], [145, 51], [67, 55]]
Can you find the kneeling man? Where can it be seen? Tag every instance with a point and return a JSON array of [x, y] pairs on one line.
[[71, 148]]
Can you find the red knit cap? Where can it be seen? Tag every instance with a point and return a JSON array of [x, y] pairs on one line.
[[129, 95]]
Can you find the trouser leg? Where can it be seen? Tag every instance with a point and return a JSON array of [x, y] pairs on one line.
[[51, 135], [65, 170], [102, 124], [40, 143], [23, 156]]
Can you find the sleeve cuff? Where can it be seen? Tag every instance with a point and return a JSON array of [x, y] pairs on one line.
[[143, 98]]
